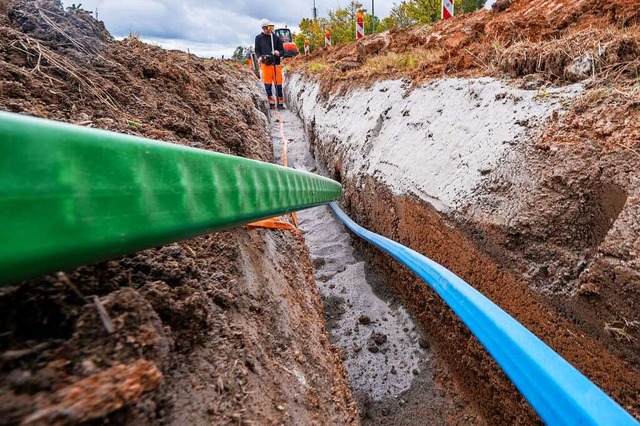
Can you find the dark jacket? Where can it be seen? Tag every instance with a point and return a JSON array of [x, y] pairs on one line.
[[263, 46]]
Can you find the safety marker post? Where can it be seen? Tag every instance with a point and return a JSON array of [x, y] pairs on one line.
[[359, 25], [327, 38], [306, 47], [447, 9]]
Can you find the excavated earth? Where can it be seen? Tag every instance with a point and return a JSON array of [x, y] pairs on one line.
[[505, 145], [222, 329]]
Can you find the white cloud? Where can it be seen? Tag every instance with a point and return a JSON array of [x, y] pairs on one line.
[[210, 27]]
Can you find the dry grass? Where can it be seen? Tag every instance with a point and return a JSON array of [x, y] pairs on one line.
[[40, 54], [393, 61], [133, 39], [608, 55], [316, 66]]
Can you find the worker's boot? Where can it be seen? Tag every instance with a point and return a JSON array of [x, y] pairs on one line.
[[281, 107]]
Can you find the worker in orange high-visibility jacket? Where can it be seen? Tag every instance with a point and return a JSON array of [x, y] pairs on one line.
[[269, 49]]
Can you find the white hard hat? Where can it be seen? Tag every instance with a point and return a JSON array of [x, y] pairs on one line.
[[264, 23]]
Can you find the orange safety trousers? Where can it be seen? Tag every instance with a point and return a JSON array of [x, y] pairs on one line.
[[268, 72]]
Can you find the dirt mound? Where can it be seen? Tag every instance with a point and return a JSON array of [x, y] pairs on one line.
[[189, 333], [45, 21], [561, 41], [185, 99]]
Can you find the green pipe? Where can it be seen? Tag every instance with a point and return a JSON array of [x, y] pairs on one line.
[[71, 195]]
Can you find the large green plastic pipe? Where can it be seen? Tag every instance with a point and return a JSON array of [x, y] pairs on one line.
[[71, 195]]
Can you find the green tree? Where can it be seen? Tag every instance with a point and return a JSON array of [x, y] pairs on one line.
[[239, 53], [312, 30], [427, 11], [466, 6], [342, 22], [399, 16], [424, 11]]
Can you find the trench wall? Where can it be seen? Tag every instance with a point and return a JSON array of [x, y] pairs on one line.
[[412, 164]]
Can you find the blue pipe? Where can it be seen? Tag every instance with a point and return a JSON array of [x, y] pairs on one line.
[[559, 393]]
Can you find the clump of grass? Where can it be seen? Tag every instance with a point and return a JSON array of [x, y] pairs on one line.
[[611, 55], [317, 66], [134, 39], [400, 61]]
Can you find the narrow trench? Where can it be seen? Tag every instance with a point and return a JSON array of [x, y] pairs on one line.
[[389, 365]]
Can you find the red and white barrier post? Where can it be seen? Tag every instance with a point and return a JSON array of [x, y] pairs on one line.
[[306, 47], [327, 38], [359, 25], [447, 9]]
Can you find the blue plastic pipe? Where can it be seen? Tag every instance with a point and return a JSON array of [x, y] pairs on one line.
[[559, 393]]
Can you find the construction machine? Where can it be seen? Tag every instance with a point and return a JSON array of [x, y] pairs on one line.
[[290, 48]]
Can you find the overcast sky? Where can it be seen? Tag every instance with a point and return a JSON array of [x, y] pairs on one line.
[[209, 27]]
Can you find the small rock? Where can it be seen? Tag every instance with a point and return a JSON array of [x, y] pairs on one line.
[[364, 319], [423, 343], [501, 5], [379, 338], [88, 367], [589, 289], [415, 371], [372, 347], [280, 408], [19, 379], [580, 68], [344, 355], [82, 117]]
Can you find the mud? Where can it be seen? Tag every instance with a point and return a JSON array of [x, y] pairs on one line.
[[394, 374], [221, 329]]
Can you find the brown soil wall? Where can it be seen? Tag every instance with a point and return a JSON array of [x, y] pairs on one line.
[[415, 224], [221, 329]]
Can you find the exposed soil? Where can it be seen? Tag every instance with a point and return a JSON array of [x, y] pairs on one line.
[[551, 234], [229, 328], [394, 374], [554, 40], [226, 328]]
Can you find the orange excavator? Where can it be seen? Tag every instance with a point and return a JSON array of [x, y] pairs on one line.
[[290, 48]]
